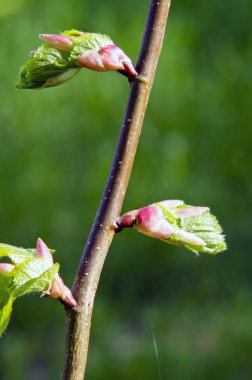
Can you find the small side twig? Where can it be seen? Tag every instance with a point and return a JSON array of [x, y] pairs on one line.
[[102, 233]]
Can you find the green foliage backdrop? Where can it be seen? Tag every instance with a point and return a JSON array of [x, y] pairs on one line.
[[56, 148]]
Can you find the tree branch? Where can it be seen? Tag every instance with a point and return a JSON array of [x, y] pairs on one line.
[[101, 235]]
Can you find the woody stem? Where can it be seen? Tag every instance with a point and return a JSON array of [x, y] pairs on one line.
[[101, 235]]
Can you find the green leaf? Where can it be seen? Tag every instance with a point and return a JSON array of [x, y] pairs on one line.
[[6, 302], [29, 269], [207, 228], [38, 284], [5, 282], [17, 255]]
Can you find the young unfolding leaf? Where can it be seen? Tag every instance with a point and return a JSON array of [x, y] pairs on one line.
[[33, 277], [62, 56], [15, 254], [6, 301], [178, 224], [30, 270]]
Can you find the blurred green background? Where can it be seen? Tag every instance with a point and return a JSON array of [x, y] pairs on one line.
[[56, 149]]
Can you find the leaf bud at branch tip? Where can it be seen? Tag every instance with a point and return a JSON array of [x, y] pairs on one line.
[[63, 55], [178, 224]]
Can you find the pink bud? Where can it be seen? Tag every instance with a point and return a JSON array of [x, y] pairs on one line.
[[91, 60], [108, 58], [114, 58], [57, 40], [148, 220], [6, 268], [60, 291], [126, 221], [151, 222], [57, 289], [44, 251]]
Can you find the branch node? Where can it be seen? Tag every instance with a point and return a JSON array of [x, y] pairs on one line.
[[143, 79]]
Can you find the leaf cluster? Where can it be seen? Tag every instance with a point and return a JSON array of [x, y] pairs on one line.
[[30, 274]]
